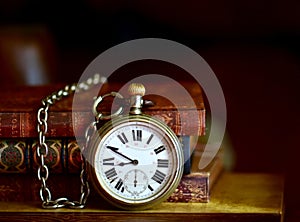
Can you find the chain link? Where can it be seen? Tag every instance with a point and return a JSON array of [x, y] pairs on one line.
[[42, 147]]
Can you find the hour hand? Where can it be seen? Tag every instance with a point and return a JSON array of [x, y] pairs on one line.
[[134, 162]]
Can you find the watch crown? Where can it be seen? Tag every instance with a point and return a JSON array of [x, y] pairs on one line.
[[136, 89], [136, 92]]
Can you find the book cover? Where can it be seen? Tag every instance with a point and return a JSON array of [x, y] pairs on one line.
[[18, 110]]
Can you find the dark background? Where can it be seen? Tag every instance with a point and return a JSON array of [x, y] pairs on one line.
[[253, 47]]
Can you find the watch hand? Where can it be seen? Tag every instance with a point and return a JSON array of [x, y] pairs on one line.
[[135, 181], [135, 162], [115, 150]]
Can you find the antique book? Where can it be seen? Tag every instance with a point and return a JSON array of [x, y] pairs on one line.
[[197, 185], [19, 106], [194, 187], [18, 155]]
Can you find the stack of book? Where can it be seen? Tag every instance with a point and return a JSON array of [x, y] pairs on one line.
[[18, 141]]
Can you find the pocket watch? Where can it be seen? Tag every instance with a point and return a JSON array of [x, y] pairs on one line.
[[134, 161]]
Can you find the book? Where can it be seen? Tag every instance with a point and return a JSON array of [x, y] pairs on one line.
[[64, 155], [19, 106], [19, 155], [194, 187], [25, 187]]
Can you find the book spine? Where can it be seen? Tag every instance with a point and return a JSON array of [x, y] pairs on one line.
[[25, 187], [23, 125], [64, 155], [60, 124], [19, 156]]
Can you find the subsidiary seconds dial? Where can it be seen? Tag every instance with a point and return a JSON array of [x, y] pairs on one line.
[[136, 182]]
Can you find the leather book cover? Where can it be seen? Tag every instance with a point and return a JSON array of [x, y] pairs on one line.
[[19, 106]]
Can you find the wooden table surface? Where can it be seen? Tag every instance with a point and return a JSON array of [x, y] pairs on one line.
[[235, 197]]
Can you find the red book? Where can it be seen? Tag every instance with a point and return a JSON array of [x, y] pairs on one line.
[[19, 106]]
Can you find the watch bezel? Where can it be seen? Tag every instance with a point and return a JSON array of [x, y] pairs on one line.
[[99, 185]]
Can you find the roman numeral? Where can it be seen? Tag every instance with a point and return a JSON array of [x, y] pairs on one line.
[[162, 163], [119, 185], [113, 180], [159, 149], [150, 188], [109, 161], [110, 173], [137, 135], [158, 176], [150, 138], [123, 138]]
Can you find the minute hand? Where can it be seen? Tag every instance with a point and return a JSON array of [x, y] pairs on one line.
[[115, 150]]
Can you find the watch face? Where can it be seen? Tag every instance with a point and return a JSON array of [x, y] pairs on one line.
[[137, 162]]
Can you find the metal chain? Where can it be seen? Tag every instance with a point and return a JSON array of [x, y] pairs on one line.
[[42, 147]]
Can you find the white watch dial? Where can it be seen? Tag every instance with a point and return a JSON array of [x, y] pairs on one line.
[[135, 161]]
